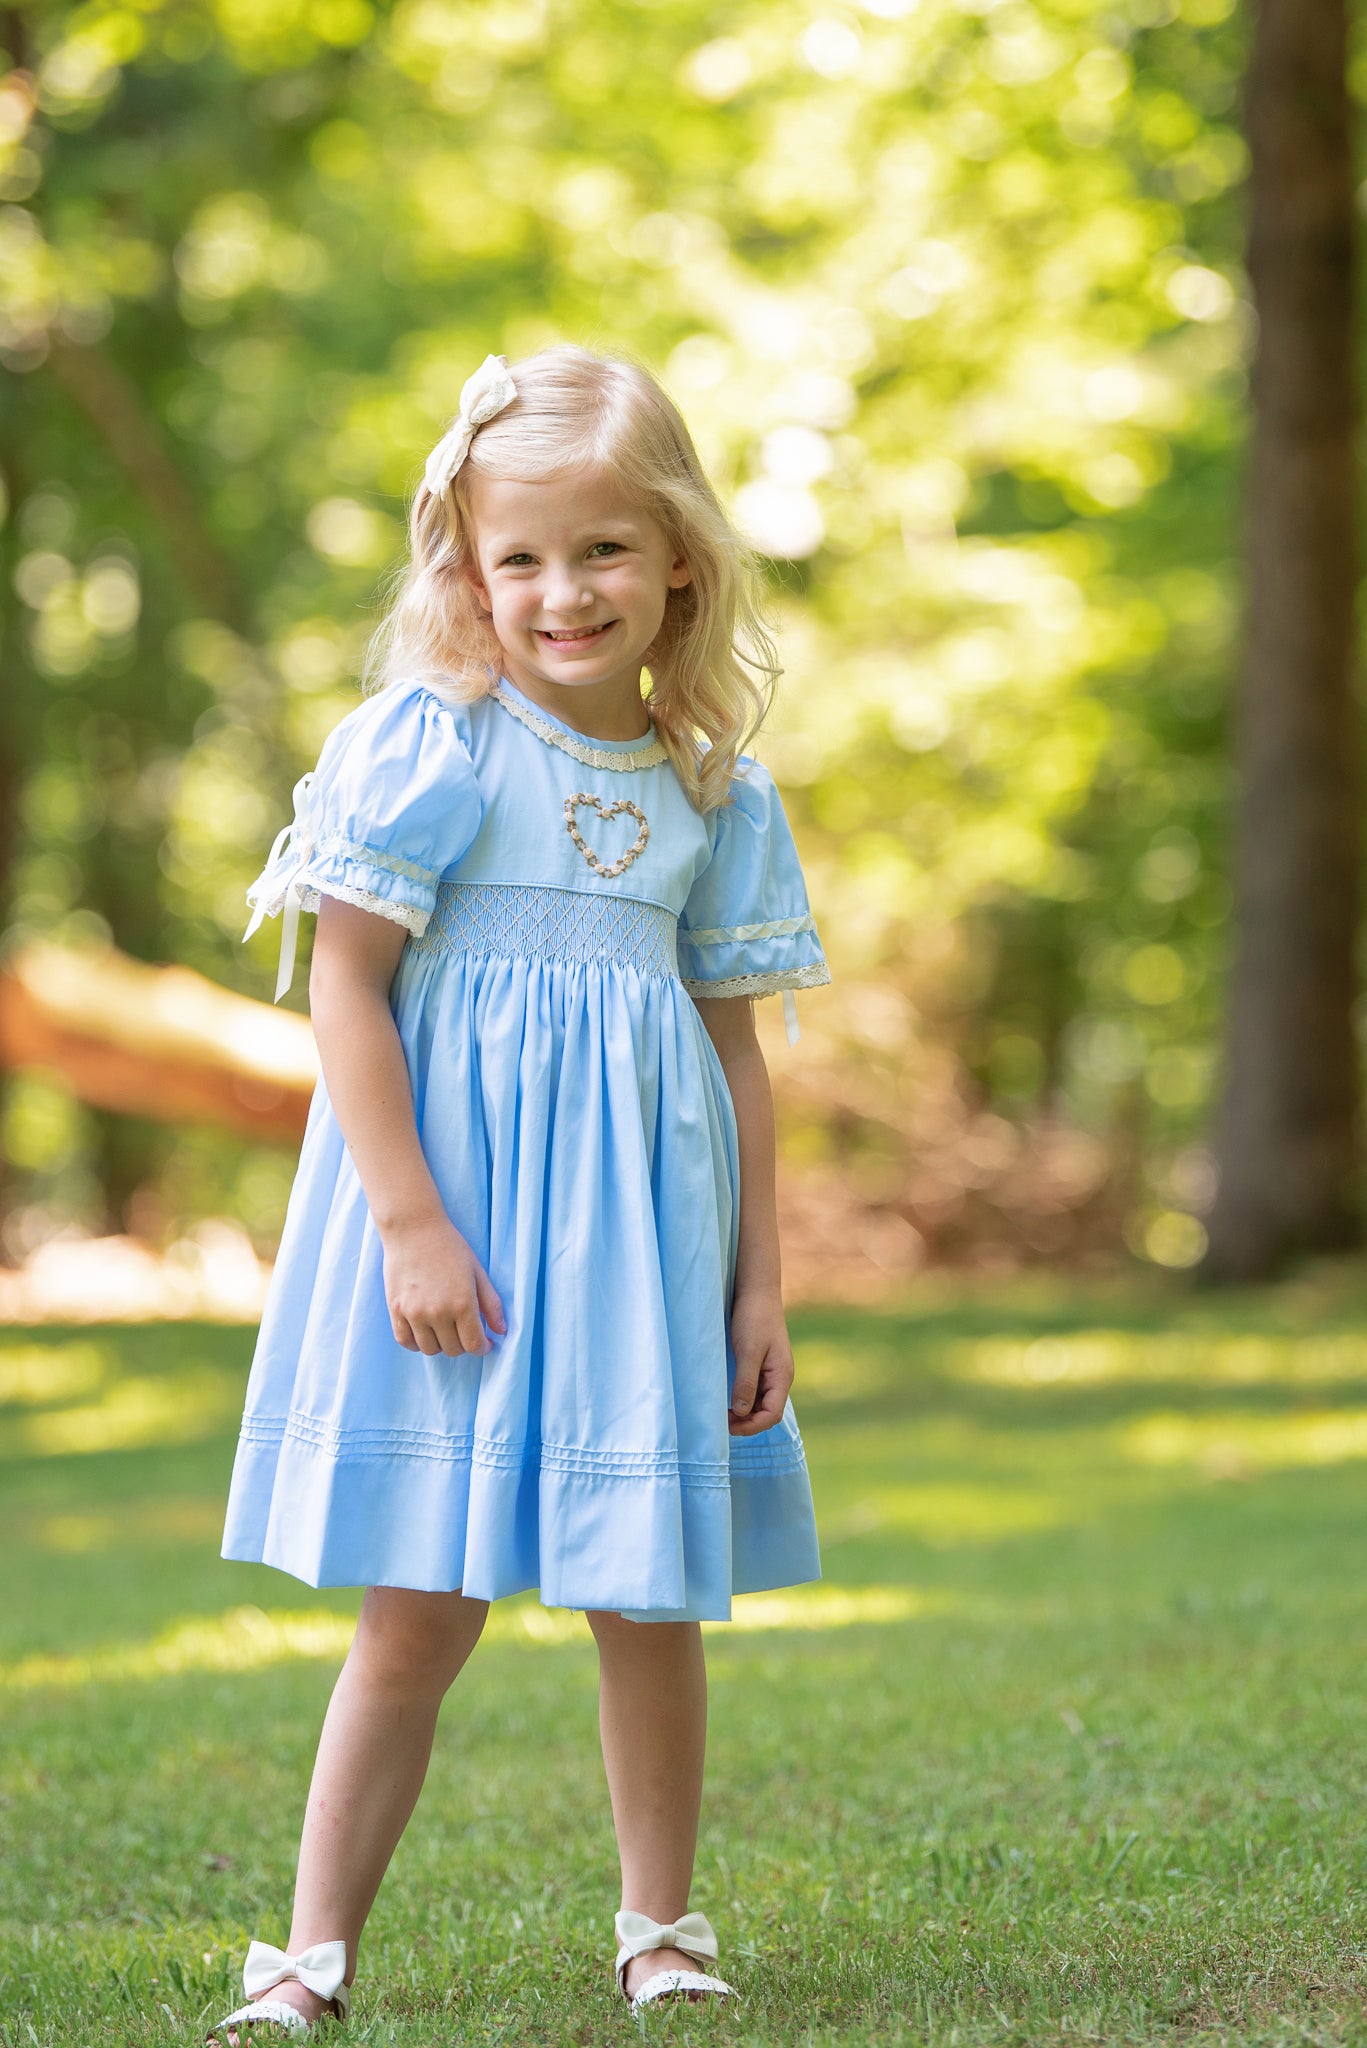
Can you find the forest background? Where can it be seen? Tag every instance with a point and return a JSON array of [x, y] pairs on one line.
[[951, 294]]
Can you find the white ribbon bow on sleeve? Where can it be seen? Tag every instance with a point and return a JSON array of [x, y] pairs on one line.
[[484, 394], [319, 1969], [271, 892], [691, 1933]]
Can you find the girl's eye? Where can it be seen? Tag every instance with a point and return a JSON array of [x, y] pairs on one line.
[[613, 546], [518, 561]]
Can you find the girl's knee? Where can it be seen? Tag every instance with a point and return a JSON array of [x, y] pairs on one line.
[[612, 1630], [418, 1640]]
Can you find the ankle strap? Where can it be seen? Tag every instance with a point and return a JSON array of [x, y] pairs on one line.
[[691, 1934]]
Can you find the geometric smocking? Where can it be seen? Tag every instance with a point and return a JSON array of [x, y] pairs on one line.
[[518, 921]]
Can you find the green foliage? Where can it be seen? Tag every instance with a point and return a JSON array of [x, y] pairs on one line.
[[948, 290], [1077, 1758]]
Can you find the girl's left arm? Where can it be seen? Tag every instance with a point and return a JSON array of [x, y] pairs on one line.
[[759, 1334]]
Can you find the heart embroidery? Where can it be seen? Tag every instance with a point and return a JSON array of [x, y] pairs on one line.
[[586, 796]]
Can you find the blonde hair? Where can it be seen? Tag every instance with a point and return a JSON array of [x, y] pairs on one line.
[[713, 665]]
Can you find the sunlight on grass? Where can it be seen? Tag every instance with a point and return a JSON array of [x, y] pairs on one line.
[[1090, 1358], [830, 1372], [949, 1513], [1230, 1445], [136, 1526], [249, 1639], [135, 1414], [1081, 1681], [45, 1375], [244, 1639]]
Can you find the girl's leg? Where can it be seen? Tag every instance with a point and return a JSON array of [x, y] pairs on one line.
[[652, 1715], [372, 1758]]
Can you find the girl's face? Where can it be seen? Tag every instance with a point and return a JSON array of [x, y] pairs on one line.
[[575, 575]]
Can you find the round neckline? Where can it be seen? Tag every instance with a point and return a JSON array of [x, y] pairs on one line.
[[588, 739]]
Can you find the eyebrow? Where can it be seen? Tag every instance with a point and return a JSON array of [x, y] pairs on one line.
[[611, 529]]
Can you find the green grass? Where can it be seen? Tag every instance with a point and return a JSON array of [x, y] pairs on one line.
[[1081, 1756]]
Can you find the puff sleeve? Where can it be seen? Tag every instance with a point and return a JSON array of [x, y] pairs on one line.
[[392, 803], [746, 928]]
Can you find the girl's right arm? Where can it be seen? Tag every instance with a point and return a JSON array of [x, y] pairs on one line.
[[434, 1284]]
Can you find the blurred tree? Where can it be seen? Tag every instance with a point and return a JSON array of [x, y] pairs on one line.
[[950, 292], [1289, 1137]]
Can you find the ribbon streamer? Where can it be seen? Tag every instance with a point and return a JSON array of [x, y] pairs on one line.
[[274, 890]]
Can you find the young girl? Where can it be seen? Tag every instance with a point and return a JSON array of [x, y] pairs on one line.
[[526, 1329]]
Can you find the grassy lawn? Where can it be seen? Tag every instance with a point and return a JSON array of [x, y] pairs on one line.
[[1068, 1742]]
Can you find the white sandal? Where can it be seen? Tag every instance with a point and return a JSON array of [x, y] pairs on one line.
[[691, 1934], [319, 1969]]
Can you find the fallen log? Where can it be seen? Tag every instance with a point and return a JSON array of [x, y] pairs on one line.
[[162, 1042]]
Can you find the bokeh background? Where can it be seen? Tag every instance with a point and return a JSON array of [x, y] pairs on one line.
[[1066, 1742], [951, 295]]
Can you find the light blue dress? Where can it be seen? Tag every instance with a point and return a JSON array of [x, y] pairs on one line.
[[565, 902]]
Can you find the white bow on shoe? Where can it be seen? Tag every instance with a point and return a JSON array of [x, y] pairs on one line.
[[319, 1969], [691, 1934]]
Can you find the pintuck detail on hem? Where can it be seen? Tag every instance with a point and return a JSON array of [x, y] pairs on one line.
[[358, 1446]]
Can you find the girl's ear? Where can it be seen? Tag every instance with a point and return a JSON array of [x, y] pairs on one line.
[[679, 573], [471, 575]]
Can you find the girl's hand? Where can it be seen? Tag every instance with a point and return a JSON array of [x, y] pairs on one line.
[[436, 1289], [764, 1360]]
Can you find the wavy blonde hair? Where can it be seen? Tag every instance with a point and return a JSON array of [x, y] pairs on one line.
[[713, 665]]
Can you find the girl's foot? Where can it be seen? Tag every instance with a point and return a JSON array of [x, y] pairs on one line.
[[245, 2033], [643, 1967]]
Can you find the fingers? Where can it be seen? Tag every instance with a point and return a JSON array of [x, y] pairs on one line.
[[458, 1336], [448, 1341], [489, 1302], [763, 1416], [439, 1309], [744, 1387], [470, 1330], [764, 1390]]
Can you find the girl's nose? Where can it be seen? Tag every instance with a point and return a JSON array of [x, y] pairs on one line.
[[565, 593]]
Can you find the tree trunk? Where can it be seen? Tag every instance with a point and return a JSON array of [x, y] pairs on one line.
[[1287, 1138]]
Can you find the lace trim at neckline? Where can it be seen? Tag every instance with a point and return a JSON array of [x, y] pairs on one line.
[[591, 753]]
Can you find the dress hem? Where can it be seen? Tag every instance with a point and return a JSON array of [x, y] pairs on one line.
[[761, 1584], [628, 1543]]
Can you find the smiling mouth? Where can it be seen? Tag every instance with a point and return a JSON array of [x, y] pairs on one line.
[[576, 636]]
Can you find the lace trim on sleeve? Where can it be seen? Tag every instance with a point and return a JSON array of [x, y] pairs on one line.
[[408, 915], [727, 935], [815, 976]]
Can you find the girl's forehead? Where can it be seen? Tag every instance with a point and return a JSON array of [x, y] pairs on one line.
[[563, 503]]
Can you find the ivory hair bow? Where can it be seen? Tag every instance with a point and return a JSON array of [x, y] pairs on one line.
[[691, 1933], [319, 1969], [270, 892], [484, 394]]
